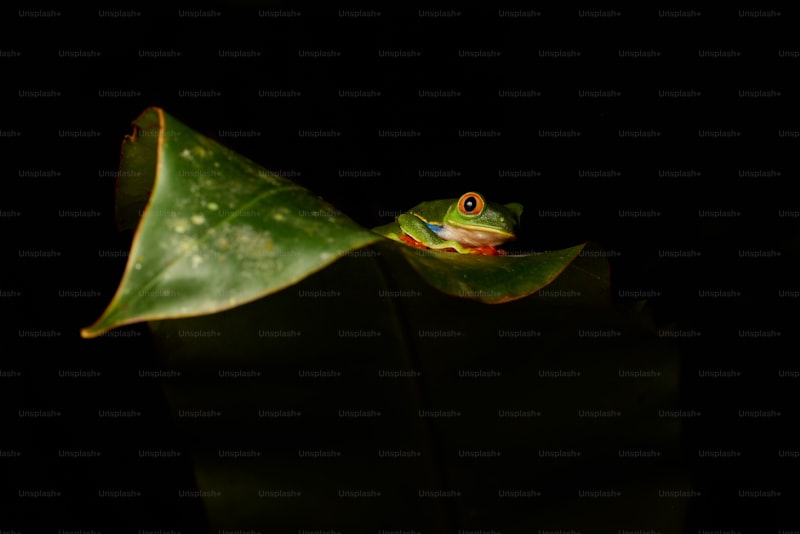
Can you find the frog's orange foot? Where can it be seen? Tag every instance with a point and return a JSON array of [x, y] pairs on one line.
[[488, 250], [408, 240]]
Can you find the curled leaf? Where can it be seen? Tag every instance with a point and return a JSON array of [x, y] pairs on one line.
[[218, 230]]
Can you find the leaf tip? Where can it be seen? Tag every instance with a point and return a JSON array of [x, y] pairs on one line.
[[92, 331], [102, 325]]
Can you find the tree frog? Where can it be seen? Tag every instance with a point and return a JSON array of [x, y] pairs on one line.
[[467, 225]]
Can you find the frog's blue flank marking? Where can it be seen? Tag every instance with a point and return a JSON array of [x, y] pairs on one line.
[[438, 228]]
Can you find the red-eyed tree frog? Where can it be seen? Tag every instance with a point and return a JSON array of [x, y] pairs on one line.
[[467, 225]]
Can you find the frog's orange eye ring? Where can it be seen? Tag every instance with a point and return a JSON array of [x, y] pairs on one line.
[[471, 204]]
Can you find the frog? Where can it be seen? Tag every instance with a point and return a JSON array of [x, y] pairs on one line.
[[466, 225]]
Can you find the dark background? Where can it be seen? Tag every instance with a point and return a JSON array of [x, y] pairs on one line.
[[673, 173]]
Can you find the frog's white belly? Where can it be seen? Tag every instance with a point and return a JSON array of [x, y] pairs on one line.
[[470, 238]]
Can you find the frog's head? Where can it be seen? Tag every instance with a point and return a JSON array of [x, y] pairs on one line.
[[474, 222]]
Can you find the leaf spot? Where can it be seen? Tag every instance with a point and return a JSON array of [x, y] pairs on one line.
[[181, 225], [198, 219], [213, 206]]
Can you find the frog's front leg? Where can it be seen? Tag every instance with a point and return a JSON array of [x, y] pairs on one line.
[[418, 230]]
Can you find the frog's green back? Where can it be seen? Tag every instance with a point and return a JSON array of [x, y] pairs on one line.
[[432, 211]]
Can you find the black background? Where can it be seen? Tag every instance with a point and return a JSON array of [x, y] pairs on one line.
[[748, 93]]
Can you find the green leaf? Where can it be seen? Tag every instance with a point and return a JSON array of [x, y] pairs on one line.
[[218, 229], [488, 279]]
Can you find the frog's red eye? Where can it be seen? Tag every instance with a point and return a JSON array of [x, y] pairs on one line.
[[470, 204]]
